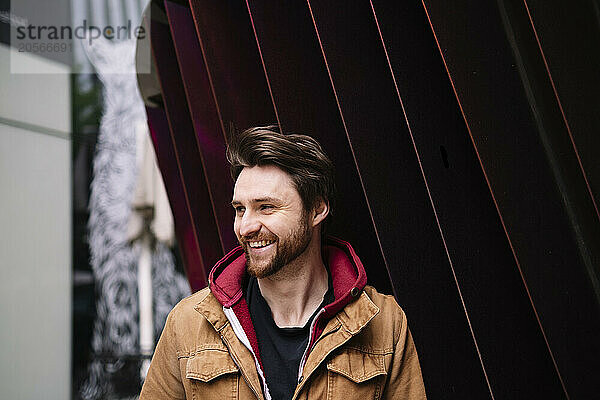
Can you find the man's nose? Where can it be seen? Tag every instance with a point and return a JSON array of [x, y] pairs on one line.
[[249, 224]]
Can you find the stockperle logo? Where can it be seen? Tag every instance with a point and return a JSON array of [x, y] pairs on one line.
[[84, 31]]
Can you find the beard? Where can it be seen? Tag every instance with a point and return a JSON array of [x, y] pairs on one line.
[[287, 250]]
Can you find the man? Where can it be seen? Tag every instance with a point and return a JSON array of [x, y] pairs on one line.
[[287, 315]]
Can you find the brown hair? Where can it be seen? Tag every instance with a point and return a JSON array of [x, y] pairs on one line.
[[299, 155]]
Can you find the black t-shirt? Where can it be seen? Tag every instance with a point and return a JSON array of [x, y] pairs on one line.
[[281, 349]]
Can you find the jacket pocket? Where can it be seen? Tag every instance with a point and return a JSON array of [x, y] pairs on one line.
[[355, 374], [212, 375]]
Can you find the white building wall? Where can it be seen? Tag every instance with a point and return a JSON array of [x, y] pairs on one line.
[[35, 232]]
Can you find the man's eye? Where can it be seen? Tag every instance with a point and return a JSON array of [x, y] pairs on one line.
[[266, 207], [239, 210]]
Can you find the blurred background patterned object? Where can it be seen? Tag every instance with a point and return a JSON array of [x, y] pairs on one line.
[[119, 191]]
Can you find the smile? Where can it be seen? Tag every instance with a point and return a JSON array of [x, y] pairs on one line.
[[260, 243]]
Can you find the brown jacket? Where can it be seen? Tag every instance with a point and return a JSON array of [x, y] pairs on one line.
[[363, 351]]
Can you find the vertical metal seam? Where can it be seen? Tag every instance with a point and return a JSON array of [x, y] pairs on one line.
[[562, 112], [493, 196], [204, 172], [432, 202], [210, 79], [543, 137], [186, 195], [263, 65], [352, 150]]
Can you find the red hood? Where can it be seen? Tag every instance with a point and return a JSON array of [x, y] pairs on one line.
[[347, 273]]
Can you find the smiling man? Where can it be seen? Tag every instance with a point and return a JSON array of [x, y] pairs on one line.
[[288, 314]]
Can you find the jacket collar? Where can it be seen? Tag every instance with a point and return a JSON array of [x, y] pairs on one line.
[[212, 311], [358, 314]]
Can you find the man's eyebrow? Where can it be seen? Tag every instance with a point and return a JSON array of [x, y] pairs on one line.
[[266, 200], [259, 200]]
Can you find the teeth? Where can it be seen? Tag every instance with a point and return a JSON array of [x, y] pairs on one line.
[[260, 243]]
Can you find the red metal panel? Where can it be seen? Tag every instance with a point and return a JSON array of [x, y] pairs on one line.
[[568, 36], [186, 152], [533, 175], [165, 155], [205, 119], [233, 63]]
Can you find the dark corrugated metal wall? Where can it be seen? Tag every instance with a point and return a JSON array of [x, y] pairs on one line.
[[464, 137]]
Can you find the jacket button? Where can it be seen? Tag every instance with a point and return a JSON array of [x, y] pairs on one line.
[[301, 379], [354, 292]]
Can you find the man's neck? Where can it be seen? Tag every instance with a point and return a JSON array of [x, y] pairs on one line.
[[295, 291]]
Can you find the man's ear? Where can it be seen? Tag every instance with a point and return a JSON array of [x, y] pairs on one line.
[[320, 212]]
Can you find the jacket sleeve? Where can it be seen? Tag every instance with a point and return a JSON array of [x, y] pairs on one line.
[[404, 380], [164, 376]]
